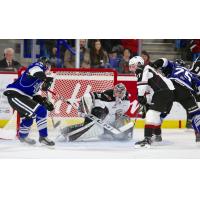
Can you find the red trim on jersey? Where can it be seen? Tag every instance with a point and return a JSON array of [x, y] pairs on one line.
[[152, 126]]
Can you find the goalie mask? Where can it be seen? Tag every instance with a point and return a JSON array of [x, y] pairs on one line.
[[135, 63], [119, 91]]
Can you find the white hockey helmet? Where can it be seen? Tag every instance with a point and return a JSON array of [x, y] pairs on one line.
[[119, 90], [135, 62]]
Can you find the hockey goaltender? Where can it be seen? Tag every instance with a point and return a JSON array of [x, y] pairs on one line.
[[104, 116]]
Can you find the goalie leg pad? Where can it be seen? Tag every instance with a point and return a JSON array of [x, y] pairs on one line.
[[72, 133]]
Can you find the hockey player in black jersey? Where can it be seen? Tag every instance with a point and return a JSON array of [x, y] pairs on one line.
[[110, 107], [161, 89], [22, 97]]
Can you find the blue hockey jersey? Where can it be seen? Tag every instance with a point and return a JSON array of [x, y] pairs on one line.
[[181, 75], [27, 84]]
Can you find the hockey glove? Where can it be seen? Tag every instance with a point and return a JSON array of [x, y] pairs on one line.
[[44, 101], [144, 110], [118, 113], [47, 83], [47, 104], [142, 100], [38, 98]]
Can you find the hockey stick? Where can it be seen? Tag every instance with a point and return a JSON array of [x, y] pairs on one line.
[[55, 124], [92, 117], [73, 104]]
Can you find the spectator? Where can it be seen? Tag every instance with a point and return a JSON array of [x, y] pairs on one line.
[[8, 63], [132, 45], [183, 46], [84, 52], [114, 59], [85, 65], [98, 56], [124, 63], [56, 62], [145, 57], [69, 59], [195, 49]]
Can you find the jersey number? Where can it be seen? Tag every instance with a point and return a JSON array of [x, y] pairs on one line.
[[185, 73]]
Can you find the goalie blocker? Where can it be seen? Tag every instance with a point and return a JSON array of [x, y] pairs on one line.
[[104, 116]]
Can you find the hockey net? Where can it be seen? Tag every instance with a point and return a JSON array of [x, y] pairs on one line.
[[70, 84]]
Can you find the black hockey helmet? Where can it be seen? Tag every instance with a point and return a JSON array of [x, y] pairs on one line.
[[180, 62], [44, 60]]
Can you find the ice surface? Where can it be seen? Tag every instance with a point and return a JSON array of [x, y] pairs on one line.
[[177, 143]]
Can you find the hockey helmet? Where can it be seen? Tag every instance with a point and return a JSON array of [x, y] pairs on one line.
[[180, 62], [119, 90], [45, 61], [135, 62]]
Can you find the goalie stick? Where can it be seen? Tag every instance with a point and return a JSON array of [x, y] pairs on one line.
[[94, 118]]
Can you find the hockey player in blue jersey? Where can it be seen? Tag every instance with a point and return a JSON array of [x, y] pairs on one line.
[[22, 97], [186, 85]]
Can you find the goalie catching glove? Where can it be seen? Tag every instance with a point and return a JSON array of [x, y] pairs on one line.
[[44, 101]]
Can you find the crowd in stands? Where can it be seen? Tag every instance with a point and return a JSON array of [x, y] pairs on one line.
[[189, 49], [96, 53], [114, 54]]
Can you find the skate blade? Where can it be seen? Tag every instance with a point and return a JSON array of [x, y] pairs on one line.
[[26, 143], [140, 147], [47, 146]]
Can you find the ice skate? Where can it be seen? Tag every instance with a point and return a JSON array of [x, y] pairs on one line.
[[27, 140], [46, 141], [144, 143], [157, 138]]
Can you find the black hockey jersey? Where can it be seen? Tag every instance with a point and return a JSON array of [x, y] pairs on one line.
[[150, 80]]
